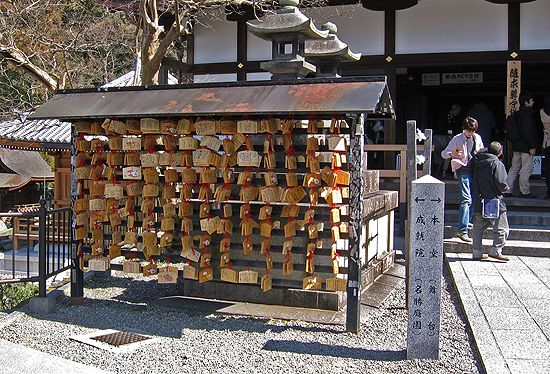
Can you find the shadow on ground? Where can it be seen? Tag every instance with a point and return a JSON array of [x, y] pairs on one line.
[[320, 349]]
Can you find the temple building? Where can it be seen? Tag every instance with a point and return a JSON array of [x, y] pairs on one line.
[[435, 53]]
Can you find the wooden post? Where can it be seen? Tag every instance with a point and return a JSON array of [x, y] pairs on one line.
[[411, 176], [355, 161], [77, 275], [427, 167]]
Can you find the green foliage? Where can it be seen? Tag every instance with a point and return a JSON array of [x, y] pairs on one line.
[[11, 295], [50, 160]]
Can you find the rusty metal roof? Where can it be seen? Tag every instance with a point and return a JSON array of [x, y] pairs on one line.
[[302, 97]]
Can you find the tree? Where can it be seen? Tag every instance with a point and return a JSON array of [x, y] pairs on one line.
[[155, 41], [46, 45]]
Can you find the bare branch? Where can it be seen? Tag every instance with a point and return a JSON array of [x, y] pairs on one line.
[[21, 61]]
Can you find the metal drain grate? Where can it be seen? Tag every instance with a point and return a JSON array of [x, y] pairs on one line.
[[120, 338]]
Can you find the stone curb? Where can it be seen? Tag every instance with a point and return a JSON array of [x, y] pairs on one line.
[[46, 304], [486, 345]]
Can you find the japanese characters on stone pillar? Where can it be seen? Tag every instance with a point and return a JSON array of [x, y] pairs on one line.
[[425, 267]]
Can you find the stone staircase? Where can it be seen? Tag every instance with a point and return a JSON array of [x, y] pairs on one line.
[[529, 221], [529, 229]]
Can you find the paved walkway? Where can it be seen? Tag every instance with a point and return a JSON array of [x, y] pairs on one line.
[[18, 359], [508, 309]]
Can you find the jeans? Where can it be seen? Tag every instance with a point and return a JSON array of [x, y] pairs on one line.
[[522, 164], [500, 234], [466, 210]]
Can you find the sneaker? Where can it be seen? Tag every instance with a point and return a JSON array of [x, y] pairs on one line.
[[463, 236], [501, 258], [483, 257]]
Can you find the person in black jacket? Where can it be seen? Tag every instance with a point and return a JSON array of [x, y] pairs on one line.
[[525, 147], [490, 182]]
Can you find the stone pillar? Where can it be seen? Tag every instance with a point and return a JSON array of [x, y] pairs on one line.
[[425, 246]]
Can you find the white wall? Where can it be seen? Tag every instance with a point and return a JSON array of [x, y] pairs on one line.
[[257, 49], [535, 25], [215, 40], [210, 78], [264, 76], [452, 26], [361, 29]]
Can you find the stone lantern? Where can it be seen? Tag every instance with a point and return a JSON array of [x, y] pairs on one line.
[[328, 54], [287, 29]]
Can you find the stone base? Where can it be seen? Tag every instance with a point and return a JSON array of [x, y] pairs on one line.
[[77, 301], [283, 296], [376, 268], [102, 274], [42, 304], [276, 296]]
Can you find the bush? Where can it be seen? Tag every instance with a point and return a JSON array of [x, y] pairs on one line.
[[11, 295]]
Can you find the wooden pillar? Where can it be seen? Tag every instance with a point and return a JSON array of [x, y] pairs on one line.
[[513, 28], [390, 72], [356, 162], [241, 50]]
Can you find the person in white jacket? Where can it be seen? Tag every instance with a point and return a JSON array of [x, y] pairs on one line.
[[461, 150], [545, 118]]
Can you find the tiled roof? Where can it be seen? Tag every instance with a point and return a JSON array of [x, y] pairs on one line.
[[52, 132], [18, 167]]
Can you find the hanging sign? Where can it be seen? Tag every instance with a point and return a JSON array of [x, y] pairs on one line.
[[462, 78], [513, 86]]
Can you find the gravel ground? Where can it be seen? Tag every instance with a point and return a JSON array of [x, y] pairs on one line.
[[193, 342]]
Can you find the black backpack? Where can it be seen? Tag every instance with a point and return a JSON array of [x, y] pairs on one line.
[[511, 126]]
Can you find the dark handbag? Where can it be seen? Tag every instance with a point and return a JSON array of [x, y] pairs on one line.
[[490, 208]]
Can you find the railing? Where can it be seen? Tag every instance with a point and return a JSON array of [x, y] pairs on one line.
[[51, 229], [401, 172]]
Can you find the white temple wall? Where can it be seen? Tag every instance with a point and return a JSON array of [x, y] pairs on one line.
[[535, 25], [211, 78], [361, 29], [452, 26], [215, 40]]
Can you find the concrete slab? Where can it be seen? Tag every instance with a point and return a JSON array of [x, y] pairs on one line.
[[250, 309], [505, 318], [536, 264], [481, 268], [494, 297], [523, 344], [491, 357], [18, 359], [539, 312], [483, 281], [529, 366], [507, 312]]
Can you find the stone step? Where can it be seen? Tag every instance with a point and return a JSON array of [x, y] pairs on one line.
[[513, 203], [525, 233], [513, 247], [515, 218], [538, 187]]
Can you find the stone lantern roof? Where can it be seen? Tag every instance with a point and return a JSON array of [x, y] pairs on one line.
[[286, 20], [331, 47], [287, 29], [328, 54]]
